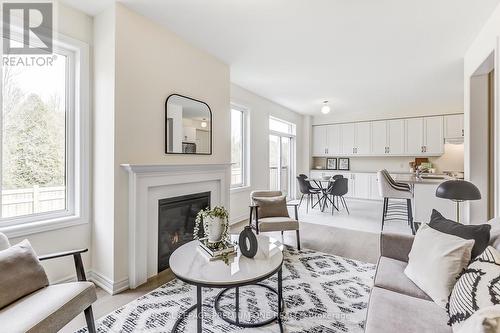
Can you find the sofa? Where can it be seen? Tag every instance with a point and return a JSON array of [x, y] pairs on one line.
[[396, 304]]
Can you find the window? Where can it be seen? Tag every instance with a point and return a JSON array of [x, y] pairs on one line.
[[239, 177], [44, 139], [281, 156]]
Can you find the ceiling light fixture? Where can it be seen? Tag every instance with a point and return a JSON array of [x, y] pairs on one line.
[[203, 123], [325, 109]]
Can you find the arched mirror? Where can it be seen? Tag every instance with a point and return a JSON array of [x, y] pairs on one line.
[[188, 126]]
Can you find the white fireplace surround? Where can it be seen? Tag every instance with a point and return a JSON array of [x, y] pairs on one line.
[[150, 183]]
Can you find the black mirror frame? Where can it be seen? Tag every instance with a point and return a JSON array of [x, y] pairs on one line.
[[166, 126]]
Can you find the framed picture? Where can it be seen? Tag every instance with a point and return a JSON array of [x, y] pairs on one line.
[[331, 163], [343, 164]]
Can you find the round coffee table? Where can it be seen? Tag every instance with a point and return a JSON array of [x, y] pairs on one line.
[[191, 266]]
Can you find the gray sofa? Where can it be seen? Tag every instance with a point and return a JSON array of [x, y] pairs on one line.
[[396, 303]]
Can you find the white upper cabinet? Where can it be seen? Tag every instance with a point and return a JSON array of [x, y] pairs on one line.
[[319, 141], [454, 126], [433, 136], [333, 146], [379, 137], [362, 139], [396, 137], [348, 138], [414, 129]]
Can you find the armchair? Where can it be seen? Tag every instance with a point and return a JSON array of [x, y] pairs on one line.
[[274, 221], [49, 309]]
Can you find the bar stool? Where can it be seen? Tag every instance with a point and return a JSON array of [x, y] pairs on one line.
[[389, 189]]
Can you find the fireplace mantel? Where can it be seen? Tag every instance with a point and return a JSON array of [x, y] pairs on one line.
[[148, 183]]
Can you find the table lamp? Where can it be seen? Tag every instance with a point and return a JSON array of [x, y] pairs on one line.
[[458, 191]]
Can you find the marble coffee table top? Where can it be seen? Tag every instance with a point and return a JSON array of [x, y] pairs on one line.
[[190, 265]]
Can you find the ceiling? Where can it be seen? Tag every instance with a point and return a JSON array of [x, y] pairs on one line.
[[364, 56]]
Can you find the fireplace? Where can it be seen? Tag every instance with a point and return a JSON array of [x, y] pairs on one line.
[[176, 220]]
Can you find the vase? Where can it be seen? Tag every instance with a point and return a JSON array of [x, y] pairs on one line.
[[215, 229], [248, 242]]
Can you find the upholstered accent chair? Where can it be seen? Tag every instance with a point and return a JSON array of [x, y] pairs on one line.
[[271, 213], [50, 308]]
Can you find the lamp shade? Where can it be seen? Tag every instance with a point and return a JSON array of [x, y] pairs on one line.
[[458, 190]]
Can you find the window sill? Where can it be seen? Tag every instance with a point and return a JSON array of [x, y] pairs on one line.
[[24, 229], [240, 189]]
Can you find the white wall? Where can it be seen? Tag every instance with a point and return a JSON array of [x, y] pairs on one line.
[[485, 44], [260, 110], [150, 63], [78, 25], [103, 145]]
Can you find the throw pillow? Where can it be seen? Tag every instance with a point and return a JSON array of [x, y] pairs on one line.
[[477, 287], [486, 320], [271, 206], [479, 233], [21, 273], [495, 233], [435, 260]]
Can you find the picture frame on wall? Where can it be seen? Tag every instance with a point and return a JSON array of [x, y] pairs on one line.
[[331, 163], [344, 164]]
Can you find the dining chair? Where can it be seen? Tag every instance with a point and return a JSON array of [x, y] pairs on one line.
[[338, 189], [306, 189]]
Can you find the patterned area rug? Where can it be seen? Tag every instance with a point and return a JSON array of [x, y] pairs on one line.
[[323, 293]]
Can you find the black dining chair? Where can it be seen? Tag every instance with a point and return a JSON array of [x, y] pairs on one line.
[[338, 189], [307, 190]]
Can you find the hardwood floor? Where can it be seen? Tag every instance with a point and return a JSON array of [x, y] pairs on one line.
[[348, 243]]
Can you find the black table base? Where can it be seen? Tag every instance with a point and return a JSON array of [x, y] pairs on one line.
[[199, 304]]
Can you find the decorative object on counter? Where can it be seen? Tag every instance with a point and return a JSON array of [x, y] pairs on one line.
[[318, 167], [344, 164], [331, 163], [215, 223], [248, 242], [458, 191], [326, 177]]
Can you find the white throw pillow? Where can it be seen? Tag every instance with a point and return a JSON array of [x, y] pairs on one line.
[[435, 261], [486, 320]]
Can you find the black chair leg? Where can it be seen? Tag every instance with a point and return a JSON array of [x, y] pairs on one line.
[[410, 216], [300, 202], [298, 240], [345, 205], [383, 213], [89, 317]]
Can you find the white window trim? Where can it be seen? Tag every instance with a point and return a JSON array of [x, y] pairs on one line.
[[245, 184], [78, 157]]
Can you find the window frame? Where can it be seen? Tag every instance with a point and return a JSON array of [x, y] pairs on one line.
[[77, 150], [245, 140]]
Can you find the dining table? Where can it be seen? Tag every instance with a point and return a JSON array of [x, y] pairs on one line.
[[320, 182]]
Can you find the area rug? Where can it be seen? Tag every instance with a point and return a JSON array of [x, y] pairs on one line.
[[323, 293]]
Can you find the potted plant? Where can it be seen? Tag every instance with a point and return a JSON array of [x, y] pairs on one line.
[[215, 224]]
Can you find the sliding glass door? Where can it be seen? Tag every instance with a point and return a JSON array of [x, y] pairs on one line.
[[281, 158]]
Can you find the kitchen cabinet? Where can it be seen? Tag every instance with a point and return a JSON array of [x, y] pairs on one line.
[[361, 184], [319, 141], [396, 137], [348, 138], [414, 129], [333, 139], [374, 193], [362, 138], [379, 137], [454, 126], [433, 136]]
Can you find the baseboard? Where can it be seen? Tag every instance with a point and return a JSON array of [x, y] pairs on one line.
[[109, 286], [238, 219]]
